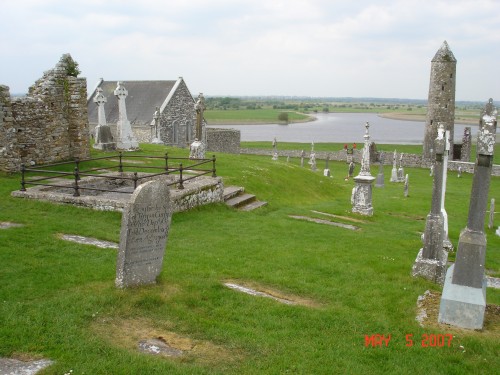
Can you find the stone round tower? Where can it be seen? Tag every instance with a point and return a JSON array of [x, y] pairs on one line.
[[441, 101]]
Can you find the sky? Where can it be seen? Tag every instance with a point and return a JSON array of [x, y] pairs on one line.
[[317, 48]]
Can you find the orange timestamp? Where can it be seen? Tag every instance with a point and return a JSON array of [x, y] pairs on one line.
[[432, 340]]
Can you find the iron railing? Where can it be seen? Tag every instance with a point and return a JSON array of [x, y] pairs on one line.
[[78, 173]]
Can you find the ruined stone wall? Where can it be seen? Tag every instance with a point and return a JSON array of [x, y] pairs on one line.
[[223, 140], [50, 124], [178, 119]]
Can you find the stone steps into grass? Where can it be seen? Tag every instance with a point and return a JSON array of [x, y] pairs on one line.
[[236, 197]]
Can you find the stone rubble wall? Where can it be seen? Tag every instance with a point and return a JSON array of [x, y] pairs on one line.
[[223, 140], [49, 125]]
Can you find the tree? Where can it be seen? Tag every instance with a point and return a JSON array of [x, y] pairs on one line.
[[283, 116]]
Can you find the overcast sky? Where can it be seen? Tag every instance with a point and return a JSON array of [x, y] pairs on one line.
[[338, 48]]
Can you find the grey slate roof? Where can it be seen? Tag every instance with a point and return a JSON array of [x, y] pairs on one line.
[[141, 102]]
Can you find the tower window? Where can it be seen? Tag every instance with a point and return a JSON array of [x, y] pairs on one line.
[[442, 87]]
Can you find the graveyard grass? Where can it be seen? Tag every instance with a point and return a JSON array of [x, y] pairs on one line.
[[58, 299]]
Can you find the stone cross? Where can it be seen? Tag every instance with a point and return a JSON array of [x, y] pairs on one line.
[[463, 301], [199, 108], [431, 259], [100, 100], [126, 138], [144, 232], [401, 172], [361, 197], [155, 125], [447, 244]]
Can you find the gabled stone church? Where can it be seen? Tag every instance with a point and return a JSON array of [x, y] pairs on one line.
[[177, 114]]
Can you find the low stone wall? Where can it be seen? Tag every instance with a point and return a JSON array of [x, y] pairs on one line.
[[223, 140], [408, 160]]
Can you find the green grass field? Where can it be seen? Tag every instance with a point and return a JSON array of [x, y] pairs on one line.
[[58, 298]]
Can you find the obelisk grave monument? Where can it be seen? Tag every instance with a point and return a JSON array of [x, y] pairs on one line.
[[463, 301]]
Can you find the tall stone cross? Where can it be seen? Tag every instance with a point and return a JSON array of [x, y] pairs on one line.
[[361, 198], [446, 241], [463, 301], [200, 108], [100, 100], [126, 139], [431, 259], [155, 125]]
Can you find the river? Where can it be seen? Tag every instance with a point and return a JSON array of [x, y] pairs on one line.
[[342, 128]]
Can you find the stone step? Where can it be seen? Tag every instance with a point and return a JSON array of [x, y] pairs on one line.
[[253, 205], [232, 191], [240, 200]]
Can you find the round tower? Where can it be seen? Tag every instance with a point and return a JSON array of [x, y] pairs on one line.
[[441, 101]]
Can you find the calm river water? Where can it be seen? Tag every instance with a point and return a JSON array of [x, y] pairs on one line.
[[342, 128]]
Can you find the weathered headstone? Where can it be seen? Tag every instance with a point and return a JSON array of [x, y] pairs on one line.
[[361, 198], [197, 150], [431, 170], [394, 171], [463, 301], [466, 145], [459, 172], [446, 241], [380, 175], [312, 161], [144, 233], [407, 183], [126, 139], [103, 137], [302, 156], [431, 259]]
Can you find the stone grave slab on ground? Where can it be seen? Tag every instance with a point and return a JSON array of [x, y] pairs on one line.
[[144, 232], [10, 366]]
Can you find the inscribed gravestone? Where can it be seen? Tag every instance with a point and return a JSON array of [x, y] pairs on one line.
[[144, 233]]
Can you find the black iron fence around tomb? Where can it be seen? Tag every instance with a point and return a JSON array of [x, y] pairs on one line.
[[182, 172]]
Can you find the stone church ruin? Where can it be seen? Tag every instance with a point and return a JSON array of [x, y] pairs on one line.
[[49, 124]]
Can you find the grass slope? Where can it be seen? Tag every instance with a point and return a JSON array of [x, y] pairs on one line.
[[58, 298]]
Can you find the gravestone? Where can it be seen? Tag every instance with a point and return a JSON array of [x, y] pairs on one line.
[[466, 145], [144, 232], [407, 183], [312, 161], [326, 171], [463, 301], [102, 133], [431, 170], [431, 259], [394, 171], [380, 175], [401, 171], [197, 150], [126, 139], [459, 172], [361, 198], [302, 156], [446, 241]]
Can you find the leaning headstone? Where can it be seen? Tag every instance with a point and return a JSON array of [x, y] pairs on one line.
[[144, 233], [431, 259], [459, 173], [126, 139], [103, 137], [492, 213], [463, 301], [361, 198], [407, 182], [394, 172]]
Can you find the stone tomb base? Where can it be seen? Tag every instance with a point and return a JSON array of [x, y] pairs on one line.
[[197, 192], [462, 306], [430, 269]]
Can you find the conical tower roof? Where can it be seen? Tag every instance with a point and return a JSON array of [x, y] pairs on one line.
[[444, 54]]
